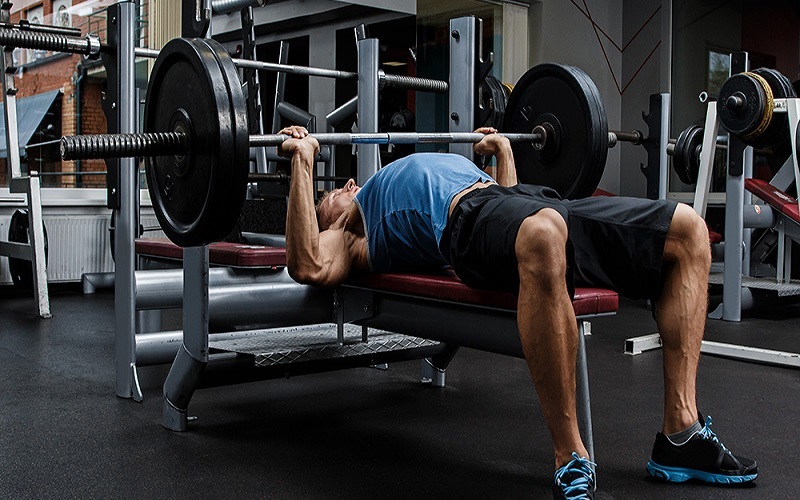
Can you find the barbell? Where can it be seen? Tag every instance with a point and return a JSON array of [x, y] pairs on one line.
[[196, 140], [52, 38]]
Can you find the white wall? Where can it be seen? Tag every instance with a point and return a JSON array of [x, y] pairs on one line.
[[643, 73], [562, 33]]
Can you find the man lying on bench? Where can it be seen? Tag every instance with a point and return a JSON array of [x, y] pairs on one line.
[[430, 210]]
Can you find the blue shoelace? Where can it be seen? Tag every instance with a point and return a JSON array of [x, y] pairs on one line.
[[583, 481], [707, 433]]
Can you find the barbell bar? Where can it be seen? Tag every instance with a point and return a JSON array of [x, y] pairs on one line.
[[89, 45], [228, 6], [103, 146], [384, 80], [100, 146]]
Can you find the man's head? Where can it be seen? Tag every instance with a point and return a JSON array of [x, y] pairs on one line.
[[332, 205]]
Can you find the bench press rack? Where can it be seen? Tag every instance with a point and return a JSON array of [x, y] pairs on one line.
[[34, 250], [735, 278], [196, 363], [119, 62], [431, 315]]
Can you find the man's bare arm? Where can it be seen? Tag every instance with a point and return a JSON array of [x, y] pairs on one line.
[[312, 257], [500, 147]]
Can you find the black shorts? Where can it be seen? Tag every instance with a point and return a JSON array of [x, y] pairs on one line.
[[614, 242]]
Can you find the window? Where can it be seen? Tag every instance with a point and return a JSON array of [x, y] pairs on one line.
[[719, 67], [61, 16], [34, 16]]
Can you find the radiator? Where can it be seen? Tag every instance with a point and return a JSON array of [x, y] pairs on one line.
[[77, 244]]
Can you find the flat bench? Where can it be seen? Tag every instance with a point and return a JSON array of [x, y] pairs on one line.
[[787, 225], [219, 254], [444, 286], [784, 203], [438, 307]]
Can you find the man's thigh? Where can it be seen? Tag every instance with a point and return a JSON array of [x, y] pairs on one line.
[[483, 246], [619, 243]]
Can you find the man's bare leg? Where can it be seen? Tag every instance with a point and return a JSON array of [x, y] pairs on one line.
[[547, 327], [681, 315]]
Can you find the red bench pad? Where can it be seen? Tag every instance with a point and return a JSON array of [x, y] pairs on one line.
[[786, 204], [439, 286], [222, 254], [449, 287]]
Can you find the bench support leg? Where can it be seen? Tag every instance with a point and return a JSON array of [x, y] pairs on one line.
[[582, 393], [433, 368], [192, 358]]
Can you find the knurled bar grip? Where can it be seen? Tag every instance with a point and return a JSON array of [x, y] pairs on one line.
[[84, 147], [49, 41], [413, 83], [395, 81]]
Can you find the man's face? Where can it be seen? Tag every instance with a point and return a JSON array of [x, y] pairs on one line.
[[338, 200]]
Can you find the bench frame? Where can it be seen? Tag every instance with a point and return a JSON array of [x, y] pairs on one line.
[[454, 324]]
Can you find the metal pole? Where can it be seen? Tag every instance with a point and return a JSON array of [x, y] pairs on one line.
[[663, 158], [30, 185], [462, 80], [368, 154], [36, 239], [192, 357], [280, 87], [384, 80], [253, 85], [333, 119], [174, 143], [706, 160], [121, 17], [734, 224]]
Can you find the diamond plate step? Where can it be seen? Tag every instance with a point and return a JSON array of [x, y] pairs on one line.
[[281, 346], [784, 289]]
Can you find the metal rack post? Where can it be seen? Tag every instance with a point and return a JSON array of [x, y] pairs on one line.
[[121, 20], [28, 184], [368, 154]]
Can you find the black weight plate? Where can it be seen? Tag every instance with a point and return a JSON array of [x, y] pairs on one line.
[[778, 128], [188, 91], [233, 195], [568, 99], [492, 103], [21, 270], [597, 102], [686, 156], [741, 121]]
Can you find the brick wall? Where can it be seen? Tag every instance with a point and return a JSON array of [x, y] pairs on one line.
[[60, 73]]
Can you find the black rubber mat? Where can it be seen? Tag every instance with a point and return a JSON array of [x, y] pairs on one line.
[[364, 433]]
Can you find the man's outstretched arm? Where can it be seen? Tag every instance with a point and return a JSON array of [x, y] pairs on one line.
[[500, 147], [312, 257]]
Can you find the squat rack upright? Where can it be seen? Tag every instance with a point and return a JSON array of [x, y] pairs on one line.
[[464, 74]]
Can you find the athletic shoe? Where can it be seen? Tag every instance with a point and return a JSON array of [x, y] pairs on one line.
[[575, 481], [702, 457]]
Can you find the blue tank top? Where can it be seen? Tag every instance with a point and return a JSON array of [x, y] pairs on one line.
[[404, 207]]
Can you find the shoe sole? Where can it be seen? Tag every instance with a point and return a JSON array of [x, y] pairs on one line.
[[680, 475]]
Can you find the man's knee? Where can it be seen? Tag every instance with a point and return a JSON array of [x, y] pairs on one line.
[[687, 238], [541, 246]]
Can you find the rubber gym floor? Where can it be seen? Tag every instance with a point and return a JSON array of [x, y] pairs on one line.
[[366, 433]]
